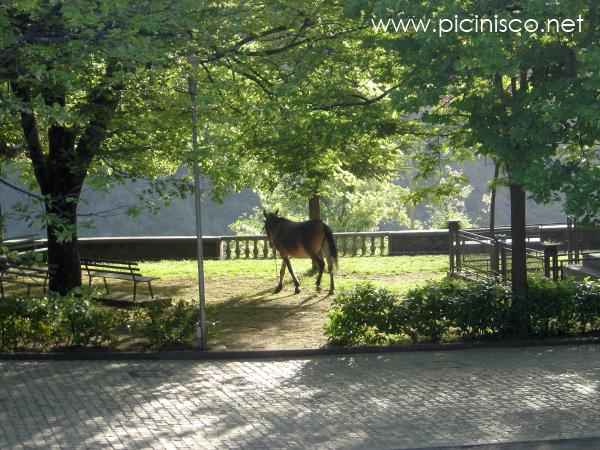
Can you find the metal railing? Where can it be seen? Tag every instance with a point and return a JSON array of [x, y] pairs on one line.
[[478, 256]]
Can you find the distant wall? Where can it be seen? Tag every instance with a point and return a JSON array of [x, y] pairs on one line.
[[414, 242], [148, 248]]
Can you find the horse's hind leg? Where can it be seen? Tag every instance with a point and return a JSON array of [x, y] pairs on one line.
[[330, 269], [281, 275], [294, 279], [318, 260]]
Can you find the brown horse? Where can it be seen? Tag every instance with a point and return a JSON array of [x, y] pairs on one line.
[[311, 239]]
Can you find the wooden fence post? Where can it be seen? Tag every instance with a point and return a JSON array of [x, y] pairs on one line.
[[495, 257], [551, 260], [503, 268], [570, 246], [454, 263]]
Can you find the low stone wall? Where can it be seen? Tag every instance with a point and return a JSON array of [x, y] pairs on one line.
[[409, 242], [418, 242], [148, 248]]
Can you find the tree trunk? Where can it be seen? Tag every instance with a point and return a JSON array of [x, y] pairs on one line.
[[2, 224], [61, 171], [63, 248], [520, 310], [494, 190], [314, 207], [314, 213]]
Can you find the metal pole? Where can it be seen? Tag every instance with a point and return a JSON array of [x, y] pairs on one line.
[[201, 332]]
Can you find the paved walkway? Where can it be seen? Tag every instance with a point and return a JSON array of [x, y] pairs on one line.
[[389, 401]]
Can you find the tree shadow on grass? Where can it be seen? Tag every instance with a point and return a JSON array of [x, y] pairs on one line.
[[265, 320]]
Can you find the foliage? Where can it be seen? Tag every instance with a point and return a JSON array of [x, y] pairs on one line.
[[364, 315], [480, 309], [587, 305], [552, 306], [98, 93], [452, 308], [165, 326], [525, 99], [77, 320], [347, 204]]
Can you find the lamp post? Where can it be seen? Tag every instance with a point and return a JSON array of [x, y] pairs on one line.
[[201, 332]]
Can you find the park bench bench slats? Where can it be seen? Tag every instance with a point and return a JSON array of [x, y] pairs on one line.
[[116, 269], [23, 275], [112, 267]]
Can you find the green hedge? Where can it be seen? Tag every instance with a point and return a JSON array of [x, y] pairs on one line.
[[78, 321], [452, 309]]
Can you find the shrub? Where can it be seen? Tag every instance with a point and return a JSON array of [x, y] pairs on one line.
[[79, 321], [479, 309], [587, 305], [451, 308], [41, 323], [551, 306], [363, 315], [13, 326], [426, 310], [167, 325]]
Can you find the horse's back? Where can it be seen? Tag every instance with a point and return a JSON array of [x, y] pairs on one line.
[[300, 239]]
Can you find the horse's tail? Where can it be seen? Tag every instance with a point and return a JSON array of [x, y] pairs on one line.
[[331, 247]]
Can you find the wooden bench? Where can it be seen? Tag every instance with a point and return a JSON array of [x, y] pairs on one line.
[[115, 269], [23, 275]]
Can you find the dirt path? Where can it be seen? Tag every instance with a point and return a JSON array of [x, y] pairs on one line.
[[245, 314]]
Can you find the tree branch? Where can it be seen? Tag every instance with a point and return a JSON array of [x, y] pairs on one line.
[[32, 137], [21, 190], [103, 101], [365, 102]]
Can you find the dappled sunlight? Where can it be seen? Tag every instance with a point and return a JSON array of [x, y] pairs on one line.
[[245, 313], [393, 400]]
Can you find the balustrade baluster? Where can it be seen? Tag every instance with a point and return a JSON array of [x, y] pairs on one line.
[[237, 249], [255, 250], [372, 238], [227, 249]]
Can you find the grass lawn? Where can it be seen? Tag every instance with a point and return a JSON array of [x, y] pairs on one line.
[[244, 313]]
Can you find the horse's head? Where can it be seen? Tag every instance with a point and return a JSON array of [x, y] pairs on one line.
[[271, 221]]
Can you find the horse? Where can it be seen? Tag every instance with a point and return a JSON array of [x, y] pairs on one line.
[[312, 239]]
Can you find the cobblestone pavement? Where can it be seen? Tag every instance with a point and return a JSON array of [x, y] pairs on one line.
[[385, 401]]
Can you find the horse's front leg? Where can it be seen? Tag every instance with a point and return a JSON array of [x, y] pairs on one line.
[[296, 282], [281, 275]]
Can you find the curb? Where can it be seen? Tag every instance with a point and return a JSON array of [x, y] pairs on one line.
[[193, 355]]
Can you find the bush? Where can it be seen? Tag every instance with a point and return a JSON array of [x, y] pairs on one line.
[[453, 308], [167, 325], [13, 323], [77, 320], [426, 311], [363, 315], [480, 309], [551, 306], [587, 305]]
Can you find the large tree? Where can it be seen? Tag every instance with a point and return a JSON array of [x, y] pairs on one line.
[[97, 90], [521, 98]]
